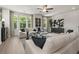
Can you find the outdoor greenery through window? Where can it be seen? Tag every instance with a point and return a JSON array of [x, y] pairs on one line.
[[44, 23], [29, 21], [23, 21], [14, 21]]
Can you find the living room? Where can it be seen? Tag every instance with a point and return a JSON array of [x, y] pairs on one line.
[[41, 22]]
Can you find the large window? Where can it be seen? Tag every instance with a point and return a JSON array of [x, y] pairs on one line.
[[14, 20], [25, 21], [44, 22], [49, 19], [29, 21], [22, 22]]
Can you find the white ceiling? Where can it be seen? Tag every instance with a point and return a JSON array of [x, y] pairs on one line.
[[32, 9]]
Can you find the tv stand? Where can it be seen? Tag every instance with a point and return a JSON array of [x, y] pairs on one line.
[[57, 30]]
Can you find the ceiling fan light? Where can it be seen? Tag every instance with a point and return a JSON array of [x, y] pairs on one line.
[[44, 10]]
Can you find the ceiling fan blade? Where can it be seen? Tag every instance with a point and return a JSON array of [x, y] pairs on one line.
[[49, 9], [45, 6], [44, 9]]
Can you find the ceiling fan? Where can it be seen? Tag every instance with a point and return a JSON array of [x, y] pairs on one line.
[[45, 8]]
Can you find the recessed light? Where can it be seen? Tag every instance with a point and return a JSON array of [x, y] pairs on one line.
[[73, 8]]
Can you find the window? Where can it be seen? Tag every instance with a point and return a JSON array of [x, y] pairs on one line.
[[25, 21], [14, 20], [22, 22], [44, 22], [38, 22], [29, 21]]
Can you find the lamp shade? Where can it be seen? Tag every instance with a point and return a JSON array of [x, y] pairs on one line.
[[3, 19]]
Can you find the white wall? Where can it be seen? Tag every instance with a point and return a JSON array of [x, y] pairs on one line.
[[6, 16], [71, 20]]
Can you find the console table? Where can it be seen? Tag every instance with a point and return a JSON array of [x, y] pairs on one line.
[[57, 30]]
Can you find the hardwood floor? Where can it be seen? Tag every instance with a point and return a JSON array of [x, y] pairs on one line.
[[12, 45]]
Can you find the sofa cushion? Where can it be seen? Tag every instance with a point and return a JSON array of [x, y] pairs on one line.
[[52, 35], [22, 35], [55, 43]]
